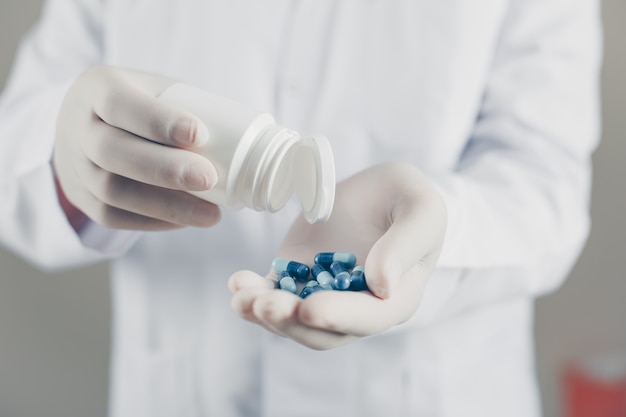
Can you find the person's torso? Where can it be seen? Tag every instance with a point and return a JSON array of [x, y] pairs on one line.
[[383, 80]]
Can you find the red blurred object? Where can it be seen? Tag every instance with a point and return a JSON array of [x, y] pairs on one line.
[[595, 388]]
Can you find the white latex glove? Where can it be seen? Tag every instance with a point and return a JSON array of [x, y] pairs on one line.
[[394, 220], [122, 157]]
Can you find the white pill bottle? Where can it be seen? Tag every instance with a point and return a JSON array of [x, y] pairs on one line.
[[260, 164]]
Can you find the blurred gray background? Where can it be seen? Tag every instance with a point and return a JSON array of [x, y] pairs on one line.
[[54, 327]]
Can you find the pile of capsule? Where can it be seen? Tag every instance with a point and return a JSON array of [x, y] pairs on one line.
[[330, 271]]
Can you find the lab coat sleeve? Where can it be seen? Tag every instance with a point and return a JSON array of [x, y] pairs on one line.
[[518, 199], [66, 40]]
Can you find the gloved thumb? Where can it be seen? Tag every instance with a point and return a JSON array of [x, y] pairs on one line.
[[413, 240]]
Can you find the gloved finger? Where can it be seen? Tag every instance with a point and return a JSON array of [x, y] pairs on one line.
[[255, 299], [356, 313], [243, 302], [125, 154], [171, 206], [246, 286], [413, 238], [131, 109], [278, 311], [315, 338], [245, 279], [81, 198], [360, 313], [113, 217]]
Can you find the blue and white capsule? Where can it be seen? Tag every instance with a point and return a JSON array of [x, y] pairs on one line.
[[341, 274], [286, 282], [322, 275], [357, 279], [306, 291], [297, 270], [327, 258]]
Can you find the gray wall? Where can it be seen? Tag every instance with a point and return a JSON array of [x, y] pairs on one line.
[[587, 317], [54, 328]]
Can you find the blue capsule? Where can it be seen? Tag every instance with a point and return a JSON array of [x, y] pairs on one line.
[[322, 275], [327, 258], [306, 291], [296, 269], [286, 282], [357, 279], [341, 274], [312, 283], [342, 282], [337, 268]]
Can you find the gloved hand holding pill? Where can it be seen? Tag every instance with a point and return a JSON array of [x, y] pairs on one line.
[[124, 158], [394, 221]]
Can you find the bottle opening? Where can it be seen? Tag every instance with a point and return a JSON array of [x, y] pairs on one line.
[[313, 176], [281, 164]]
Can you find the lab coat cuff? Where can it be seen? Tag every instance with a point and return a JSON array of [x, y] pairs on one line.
[[110, 242]]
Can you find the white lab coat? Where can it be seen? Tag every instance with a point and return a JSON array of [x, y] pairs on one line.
[[496, 100]]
